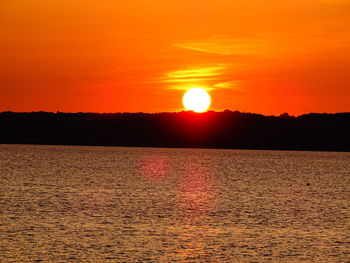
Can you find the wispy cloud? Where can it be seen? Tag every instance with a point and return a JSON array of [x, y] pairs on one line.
[[194, 74], [203, 47], [228, 84], [190, 73], [224, 45]]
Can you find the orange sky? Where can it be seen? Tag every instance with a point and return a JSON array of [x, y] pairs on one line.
[[258, 56]]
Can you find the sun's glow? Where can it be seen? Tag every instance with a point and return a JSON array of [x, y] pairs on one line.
[[196, 99]]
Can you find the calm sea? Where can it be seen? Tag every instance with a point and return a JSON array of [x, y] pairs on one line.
[[109, 204]]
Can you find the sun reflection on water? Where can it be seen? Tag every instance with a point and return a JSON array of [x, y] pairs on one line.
[[153, 167], [195, 190], [189, 219]]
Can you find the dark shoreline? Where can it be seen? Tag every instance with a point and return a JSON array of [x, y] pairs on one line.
[[161, 147], [212, 130]]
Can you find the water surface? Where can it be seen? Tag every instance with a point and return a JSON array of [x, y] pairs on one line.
[[109, 204]]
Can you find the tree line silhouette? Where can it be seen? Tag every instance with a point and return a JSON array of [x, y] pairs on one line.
[[235, 130]]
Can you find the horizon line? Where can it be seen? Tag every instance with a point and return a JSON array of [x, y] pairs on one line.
[[285, 114]]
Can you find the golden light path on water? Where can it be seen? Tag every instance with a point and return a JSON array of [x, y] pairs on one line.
[[195, 199]]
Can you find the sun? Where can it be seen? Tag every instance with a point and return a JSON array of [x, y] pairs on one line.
[[196, 99]]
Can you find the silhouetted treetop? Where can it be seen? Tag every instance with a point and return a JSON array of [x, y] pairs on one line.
[[228, 129]]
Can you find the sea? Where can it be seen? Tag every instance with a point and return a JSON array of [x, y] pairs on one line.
[[112, 204]]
